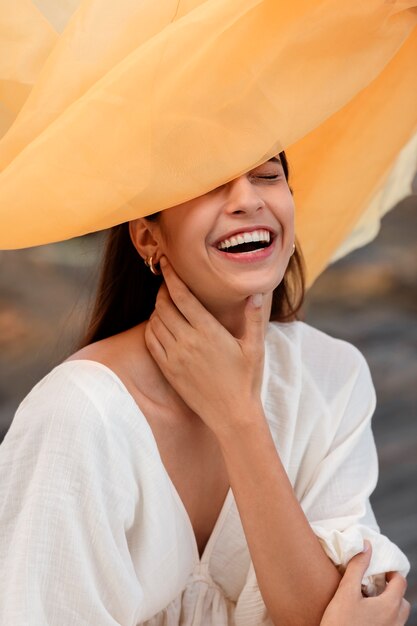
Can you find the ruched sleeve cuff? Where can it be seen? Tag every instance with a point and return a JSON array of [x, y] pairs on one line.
[[341, 546]]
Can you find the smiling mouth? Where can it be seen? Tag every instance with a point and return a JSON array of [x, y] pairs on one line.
[[247, 242], [250, 246], [249, 252]]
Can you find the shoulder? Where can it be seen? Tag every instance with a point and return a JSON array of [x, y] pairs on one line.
[[76, 420], [76, 388], [327, 364], [313, 347], [320, 390]]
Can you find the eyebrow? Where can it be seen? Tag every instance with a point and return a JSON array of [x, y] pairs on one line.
[[275, 159]]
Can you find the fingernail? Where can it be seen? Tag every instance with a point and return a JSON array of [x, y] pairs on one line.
[[257, 300]]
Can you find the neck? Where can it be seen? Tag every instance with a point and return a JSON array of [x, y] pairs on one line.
[[233, 317]]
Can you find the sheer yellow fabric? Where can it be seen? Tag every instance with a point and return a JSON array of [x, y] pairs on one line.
[[114, 110]]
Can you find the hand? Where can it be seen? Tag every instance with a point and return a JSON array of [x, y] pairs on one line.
[[218, 376], [350, 608]]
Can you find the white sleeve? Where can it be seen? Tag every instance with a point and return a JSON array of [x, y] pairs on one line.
[[337, 499], [64, 558]]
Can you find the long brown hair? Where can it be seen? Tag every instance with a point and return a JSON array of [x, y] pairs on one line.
[[127, 289]]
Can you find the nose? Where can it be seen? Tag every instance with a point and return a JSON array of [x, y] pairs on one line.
[[243, 197]]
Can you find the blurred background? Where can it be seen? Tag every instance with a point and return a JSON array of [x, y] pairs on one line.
[[368, 298]]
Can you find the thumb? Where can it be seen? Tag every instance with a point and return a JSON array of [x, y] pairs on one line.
[[253, 336], [357, 567]]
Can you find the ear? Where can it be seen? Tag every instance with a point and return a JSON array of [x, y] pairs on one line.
[[145, 237]]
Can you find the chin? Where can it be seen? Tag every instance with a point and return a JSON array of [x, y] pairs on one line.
[[247, 288]]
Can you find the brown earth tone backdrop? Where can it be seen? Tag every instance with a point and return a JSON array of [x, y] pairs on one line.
[[368, 298]]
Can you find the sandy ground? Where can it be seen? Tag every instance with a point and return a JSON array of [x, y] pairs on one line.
[[369, 298]]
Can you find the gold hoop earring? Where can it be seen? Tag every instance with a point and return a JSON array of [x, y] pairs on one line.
[[150, 264]]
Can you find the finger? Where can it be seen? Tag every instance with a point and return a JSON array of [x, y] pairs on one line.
[[404, 612], [154, 346], [396, 586], [390, 575], [162, 333], [173, 319], [356, 569], [195, 313], [254, 334]]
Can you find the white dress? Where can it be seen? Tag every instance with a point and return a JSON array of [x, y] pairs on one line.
[[94, 533]]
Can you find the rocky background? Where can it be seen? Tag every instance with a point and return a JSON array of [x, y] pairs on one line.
[[368, 298]]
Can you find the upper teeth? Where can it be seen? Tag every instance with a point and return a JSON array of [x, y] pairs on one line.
[[255, 235]]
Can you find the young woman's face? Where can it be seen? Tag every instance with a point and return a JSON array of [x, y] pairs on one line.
[[199, 236]]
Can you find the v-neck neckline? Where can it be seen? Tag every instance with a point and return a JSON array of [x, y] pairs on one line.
[[205, 557]]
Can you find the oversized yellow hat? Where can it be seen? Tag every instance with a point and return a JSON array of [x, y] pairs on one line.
[[114, 110]]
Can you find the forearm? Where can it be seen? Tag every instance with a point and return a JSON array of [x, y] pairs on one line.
[[295, 577]]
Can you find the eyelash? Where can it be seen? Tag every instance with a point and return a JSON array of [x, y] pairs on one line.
[[274, 178]]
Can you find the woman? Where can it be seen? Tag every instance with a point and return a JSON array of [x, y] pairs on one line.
[[179, 467]]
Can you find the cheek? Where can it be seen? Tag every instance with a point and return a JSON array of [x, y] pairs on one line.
[[287, 201], [185, 248], [284, 213], [172, 234], [288, 211]]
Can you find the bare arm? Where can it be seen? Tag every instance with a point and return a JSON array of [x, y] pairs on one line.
[[289, 562]]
